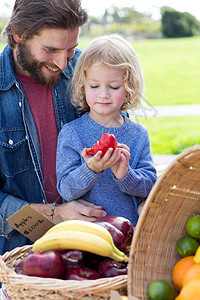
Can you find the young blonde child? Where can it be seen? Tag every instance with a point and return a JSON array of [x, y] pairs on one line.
[[108, 79]]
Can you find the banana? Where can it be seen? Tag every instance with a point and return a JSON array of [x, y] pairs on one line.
[[77, 240], [86, 226], [197, 256]]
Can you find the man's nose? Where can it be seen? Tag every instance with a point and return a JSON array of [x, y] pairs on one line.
[[61, 60]]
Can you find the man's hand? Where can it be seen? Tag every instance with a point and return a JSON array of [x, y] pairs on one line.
[[80, 209], [77, 209]]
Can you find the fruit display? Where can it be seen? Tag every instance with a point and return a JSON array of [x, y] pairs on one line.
[[187, 246], [107, 141], [117, 235], [111, 268], [186, 272], [81, 273], [123, 225], [80, 250], [180, 269], [161, 290], [81, 235], [190, 291], [47, 264], [193, 226]]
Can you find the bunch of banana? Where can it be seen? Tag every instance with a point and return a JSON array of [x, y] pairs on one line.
[[81, 235]]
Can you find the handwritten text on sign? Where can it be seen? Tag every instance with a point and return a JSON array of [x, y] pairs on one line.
[[30, 223]]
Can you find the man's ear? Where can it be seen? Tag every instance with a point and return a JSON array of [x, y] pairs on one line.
[[18, 37]]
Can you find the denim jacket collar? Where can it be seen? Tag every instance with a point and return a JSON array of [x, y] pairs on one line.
[[7, 78]]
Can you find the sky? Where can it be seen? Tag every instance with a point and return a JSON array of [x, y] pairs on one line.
[[97, 8], [148, 6]]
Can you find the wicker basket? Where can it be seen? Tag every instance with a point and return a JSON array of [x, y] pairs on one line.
[[174, 198], [28, 287]]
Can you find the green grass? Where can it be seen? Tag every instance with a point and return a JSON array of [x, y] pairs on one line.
[[172, 135], [172, 70]]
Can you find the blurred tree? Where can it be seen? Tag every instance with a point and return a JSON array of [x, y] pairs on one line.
[[123, 20], [124, 15], [3, 22], [178, 24]]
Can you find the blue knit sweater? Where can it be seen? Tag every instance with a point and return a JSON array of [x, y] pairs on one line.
[[117, 197]]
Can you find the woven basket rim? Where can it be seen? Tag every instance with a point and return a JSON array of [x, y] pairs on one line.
[[9, 277]]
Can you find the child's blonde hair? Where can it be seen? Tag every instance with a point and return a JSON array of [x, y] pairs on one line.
[[115, 52]]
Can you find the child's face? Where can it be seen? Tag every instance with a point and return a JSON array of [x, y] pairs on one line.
[[104, 89]]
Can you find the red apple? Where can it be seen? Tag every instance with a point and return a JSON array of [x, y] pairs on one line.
[[47, 264], [73, 258], [81, 273], [92, 260], [19, 268], [123, 224], [117, 235], [112, 268]]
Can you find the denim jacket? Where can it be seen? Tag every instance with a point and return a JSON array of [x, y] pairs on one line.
[[21, 180]]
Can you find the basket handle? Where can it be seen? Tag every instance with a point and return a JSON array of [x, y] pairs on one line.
[[5, 272]]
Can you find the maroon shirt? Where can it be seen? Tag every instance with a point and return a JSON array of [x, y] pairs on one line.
[[41, 104]]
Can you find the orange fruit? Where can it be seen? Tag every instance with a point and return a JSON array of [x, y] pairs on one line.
[[180, 269], [190, 291], [192, 273]]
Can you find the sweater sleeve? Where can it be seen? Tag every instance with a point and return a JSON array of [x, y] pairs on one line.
[[139, 180], [74, 178]]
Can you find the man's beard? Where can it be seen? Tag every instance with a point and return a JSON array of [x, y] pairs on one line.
[[28, 63]]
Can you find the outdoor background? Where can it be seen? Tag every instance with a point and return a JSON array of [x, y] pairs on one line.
[[166, 37]]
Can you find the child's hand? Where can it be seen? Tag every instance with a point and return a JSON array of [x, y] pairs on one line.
[[97, 163], [120, 168]]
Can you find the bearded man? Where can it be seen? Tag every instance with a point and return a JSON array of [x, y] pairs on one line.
[[36, 68]]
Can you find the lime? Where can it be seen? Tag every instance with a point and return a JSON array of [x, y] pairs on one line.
[[161, 290], [193, 226], [187, 246]]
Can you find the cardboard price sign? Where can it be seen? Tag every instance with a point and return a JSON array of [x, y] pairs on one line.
[[30, 223]]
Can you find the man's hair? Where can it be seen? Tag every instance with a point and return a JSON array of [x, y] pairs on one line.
[[29, 17], [112, 51]]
